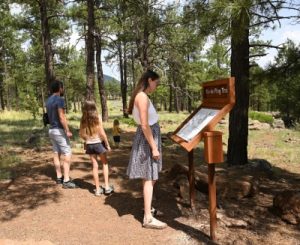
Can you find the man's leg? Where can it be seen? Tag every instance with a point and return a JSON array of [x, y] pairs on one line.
[[66, 166], [57, 165]]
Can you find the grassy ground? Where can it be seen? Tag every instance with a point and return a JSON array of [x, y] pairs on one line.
[[280, 147]]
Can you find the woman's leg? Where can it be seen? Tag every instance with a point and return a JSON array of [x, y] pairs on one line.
[[95, 171], [148, 193], [105, 170]]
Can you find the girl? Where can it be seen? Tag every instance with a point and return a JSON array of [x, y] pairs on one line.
[[116, 132], [92, 132], [145, 161]]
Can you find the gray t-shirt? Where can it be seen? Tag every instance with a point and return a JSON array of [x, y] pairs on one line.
[[53, 103]]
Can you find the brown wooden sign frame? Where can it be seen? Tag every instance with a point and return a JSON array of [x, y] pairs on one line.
[[218, 94]]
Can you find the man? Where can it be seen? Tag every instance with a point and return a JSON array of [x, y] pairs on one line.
[[59, 134]]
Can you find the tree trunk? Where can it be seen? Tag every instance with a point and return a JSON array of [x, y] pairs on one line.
[[189, 102], [100, 78], [171, 98], [132, 70], [46, 38], [142, 38], [43, 99], [176, 98], [90, 57], [238, 120], [124, 85], [2, 61], [66, 97]]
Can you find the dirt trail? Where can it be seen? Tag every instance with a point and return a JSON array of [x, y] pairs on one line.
[[34, 210]]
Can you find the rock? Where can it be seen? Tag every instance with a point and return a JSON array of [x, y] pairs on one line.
[[287, 206], [278, 123], [223, 121], [32, 139], [257, 125], [230, 222], [228, 187], [238, 189], [262, 165]]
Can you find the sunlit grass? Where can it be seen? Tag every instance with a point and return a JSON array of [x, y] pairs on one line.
[[280, 147]]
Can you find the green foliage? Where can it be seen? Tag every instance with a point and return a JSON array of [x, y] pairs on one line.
[[113, 89], [127, 121], [262, 117]]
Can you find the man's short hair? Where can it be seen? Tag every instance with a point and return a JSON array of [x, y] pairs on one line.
[[56, 85]]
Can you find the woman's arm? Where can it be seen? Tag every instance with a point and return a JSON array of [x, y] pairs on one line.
[[142, 104]]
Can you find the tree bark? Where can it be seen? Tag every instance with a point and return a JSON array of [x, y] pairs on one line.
[[47, 44], [90, 57], [125, 84], [132, 70], [2, 72], [170, 98], [43, 99], [142, 38], [100, 78], [238, 120], [176, 97]]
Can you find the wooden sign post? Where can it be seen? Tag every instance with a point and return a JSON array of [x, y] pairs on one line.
[[218, 100]]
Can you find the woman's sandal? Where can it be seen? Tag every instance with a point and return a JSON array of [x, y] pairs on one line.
[[154, 224]]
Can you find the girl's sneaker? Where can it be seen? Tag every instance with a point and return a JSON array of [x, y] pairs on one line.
[[99, 192], [60, 180], [108, 191], [154, 224]]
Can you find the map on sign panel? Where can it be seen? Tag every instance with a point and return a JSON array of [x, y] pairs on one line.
[[197, 123]]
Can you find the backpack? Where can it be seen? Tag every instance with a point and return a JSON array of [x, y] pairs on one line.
[[45, 119]]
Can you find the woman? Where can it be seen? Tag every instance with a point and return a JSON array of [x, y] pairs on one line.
[[145, 161]]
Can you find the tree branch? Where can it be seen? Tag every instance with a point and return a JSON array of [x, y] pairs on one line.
[[265, 46]]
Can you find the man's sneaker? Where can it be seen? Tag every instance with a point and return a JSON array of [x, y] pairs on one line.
[[69, 185], [154, 224], [99, 192], [108, 191], [60, 180]]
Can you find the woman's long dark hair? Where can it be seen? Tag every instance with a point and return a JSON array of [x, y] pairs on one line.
[[142, 85]]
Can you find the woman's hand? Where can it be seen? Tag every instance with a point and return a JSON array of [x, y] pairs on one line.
[[155, 154], [108, 148]]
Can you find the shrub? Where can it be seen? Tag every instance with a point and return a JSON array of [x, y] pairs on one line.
[[261, 117]]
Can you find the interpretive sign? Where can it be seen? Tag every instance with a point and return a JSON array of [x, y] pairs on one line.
[[218, 100]]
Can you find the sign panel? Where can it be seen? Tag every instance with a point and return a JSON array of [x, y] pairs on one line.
[[196, 123]]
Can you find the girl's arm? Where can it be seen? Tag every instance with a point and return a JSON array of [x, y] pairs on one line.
[[102, 134], [119, 130], [82, 133], [142, 103]]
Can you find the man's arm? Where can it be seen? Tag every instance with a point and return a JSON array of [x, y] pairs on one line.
[[63, 121]]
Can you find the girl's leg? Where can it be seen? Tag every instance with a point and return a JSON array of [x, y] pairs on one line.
[[148, 193], [95, 171], [105, 170]]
